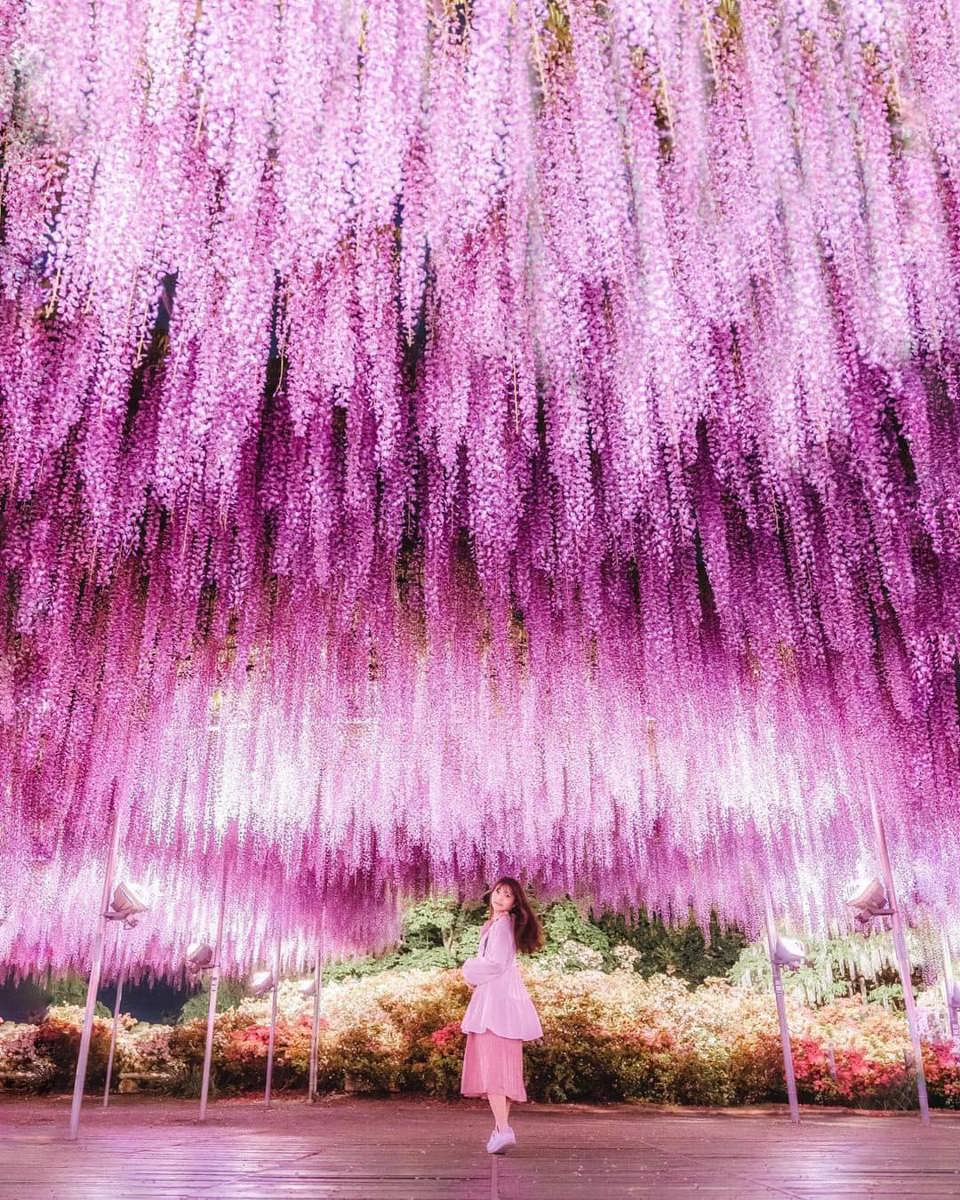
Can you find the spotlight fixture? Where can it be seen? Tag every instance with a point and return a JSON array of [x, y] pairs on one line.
[[260, 983], [870, 901], [788, 952], [127, 903], [199, 957]]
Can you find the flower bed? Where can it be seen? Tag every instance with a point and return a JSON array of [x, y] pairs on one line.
[[614, 1036]]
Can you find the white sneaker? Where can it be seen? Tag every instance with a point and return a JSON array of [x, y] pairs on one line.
[[501, 1140]]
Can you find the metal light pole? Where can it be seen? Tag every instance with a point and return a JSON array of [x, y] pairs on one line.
[[113, 1031], [781, 1010], [95, 968], [315, 1034], [214, 988], [903, 958], [273, 1026], [948, 986]]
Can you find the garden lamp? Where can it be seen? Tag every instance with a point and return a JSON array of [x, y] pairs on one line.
[[789, 952], [783, 952], [199, 957], [869, 900], [128, 901], [260, 983]]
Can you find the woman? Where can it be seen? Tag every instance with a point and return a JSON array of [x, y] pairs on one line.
[[500, 1016]]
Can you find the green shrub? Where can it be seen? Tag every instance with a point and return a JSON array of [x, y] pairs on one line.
[[359, 1061], [576, 1060], [229, 994], [755, 1068], [680, 949], [608, 1036], [71, 991], [57, 1041]]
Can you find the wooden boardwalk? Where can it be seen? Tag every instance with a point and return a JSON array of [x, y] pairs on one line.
[[143, 1149]]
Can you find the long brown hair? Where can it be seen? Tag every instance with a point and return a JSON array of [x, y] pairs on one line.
[[527, 930]]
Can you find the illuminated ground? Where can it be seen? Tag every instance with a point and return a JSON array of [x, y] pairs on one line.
[[422, 1150]]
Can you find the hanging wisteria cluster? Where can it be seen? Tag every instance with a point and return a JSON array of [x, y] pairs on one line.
[[445, 437]]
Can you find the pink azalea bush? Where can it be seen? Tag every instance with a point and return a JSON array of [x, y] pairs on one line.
[[607, 1037]]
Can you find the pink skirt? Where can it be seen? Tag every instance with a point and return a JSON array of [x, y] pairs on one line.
[[493, 1066]]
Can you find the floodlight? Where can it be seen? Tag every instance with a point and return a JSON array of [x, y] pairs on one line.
[[789, 952], [260, 983], [128, 901], [870, 900], [199, 956]]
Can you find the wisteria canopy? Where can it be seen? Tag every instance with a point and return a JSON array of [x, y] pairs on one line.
[[439, 438]]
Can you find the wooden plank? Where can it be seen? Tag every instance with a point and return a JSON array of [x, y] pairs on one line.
[[413, 1149]]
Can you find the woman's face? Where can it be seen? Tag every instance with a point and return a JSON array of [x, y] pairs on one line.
[[501, 898]]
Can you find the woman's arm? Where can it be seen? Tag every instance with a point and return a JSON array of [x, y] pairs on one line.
[[497, 958]]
